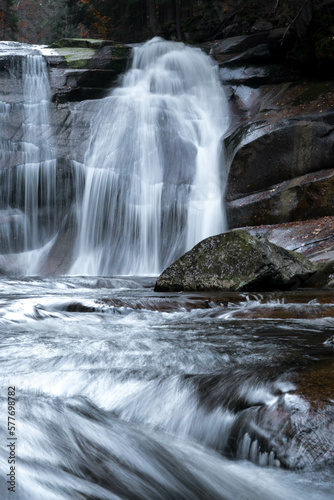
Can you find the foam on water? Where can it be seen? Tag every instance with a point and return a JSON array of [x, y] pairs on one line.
[[115, 401]]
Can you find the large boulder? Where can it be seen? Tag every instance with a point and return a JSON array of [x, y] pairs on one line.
[[236, 261]]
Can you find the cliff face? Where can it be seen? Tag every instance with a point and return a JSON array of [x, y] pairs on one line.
[[281, 150], [281, 143]]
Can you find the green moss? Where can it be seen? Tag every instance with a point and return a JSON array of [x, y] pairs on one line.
[[80, 42], [233, 260], [77, 57], [121, 51]]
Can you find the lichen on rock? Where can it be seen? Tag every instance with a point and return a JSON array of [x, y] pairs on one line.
[[236, 261]]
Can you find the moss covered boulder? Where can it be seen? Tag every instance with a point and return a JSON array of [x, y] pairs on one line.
[[236, 261]]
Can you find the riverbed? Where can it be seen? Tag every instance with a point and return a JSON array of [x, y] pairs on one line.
[[124, 393]]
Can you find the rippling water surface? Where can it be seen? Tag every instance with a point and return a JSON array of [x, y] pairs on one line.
[[122, 393]]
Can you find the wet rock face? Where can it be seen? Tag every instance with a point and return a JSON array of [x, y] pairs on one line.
[[85, 69], [296, 431], [235, 261], [256, 59], [283, 175], [288, 422], [302, 198], [297, 148], [281, 143]]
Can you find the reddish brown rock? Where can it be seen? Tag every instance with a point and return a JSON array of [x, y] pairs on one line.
[[314, 238]]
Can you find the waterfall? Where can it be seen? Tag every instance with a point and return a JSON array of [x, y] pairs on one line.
[[27, 175], [153, 182]]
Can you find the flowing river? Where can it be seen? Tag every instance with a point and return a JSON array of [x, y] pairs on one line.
[[124, 393]]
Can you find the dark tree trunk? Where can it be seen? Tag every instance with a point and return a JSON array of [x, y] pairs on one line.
[[177, 20], [153, 18]]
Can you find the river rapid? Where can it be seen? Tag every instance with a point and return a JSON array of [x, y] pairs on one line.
[[124, 393]]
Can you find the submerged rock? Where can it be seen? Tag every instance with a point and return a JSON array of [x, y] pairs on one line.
[[236, 261]]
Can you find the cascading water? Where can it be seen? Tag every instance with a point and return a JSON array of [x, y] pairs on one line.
[[122, 393], [28, 162], [154, 180]]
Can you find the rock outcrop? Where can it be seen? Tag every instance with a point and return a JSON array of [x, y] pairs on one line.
[[85, 69], [236, 261], [313, 238], [256, 59], [297, 429], [281, 143]]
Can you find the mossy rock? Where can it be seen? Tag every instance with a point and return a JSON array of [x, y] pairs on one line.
[[236, 261], [77, 57], [94, 54], [80, 42]]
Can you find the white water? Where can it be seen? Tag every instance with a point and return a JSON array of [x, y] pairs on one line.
[[122, 393], [28, 175], [153, 182]]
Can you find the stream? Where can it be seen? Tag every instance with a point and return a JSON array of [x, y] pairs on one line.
[[124, 393]]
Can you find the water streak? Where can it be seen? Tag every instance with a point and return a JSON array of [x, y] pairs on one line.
[[27, 205], [125, 402]]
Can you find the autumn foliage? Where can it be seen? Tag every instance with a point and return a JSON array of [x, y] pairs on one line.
[[45, 21], [100, 26]]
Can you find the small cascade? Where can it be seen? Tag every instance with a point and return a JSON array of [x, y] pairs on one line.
[[153, 180], [28, 163]]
